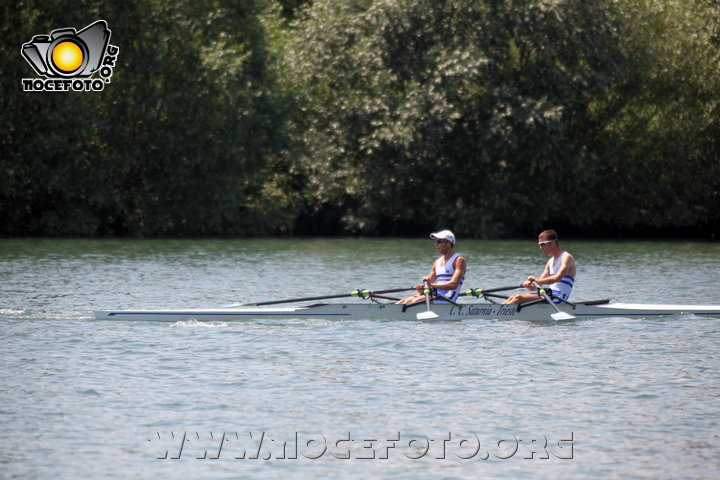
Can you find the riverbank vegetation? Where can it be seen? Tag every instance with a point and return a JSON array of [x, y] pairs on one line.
[[494, 118]]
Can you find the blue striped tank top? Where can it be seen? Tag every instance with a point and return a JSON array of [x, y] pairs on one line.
[[564, 286], [444, 274]]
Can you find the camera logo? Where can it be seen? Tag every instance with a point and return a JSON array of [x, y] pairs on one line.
[[68, 58]]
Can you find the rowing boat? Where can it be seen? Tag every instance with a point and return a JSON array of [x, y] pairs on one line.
[[460, 311]]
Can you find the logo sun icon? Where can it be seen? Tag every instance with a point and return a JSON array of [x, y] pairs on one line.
[[67, 56]]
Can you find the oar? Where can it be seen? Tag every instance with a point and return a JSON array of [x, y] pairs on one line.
[[477, 292], [355, 293], [429, 314], [556, 316]]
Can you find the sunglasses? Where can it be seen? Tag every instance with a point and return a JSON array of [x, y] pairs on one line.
[[546, 242], [439, 241]]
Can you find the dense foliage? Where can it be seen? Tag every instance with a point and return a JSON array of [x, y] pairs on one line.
[[178, 144], [494, 118]]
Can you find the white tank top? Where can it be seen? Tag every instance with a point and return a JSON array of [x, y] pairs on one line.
[[444, 274], [563, 287]]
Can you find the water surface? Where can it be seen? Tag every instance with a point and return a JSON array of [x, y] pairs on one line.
[[81, 398]]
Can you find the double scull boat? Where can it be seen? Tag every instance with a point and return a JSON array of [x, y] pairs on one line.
[[390, 311]]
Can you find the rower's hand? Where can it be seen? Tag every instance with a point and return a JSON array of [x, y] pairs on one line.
[[528, 283], [420, 287]]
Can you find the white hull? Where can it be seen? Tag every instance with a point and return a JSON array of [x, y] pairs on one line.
[[360, 311]]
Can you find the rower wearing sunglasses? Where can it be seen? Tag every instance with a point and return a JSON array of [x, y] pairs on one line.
[[447, 273], [559, 273]]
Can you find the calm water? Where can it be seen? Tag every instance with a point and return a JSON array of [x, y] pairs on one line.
[[603, 398]]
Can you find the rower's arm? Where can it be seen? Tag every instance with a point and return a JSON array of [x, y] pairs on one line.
[[547, 279], [430, 278], [528, 283]]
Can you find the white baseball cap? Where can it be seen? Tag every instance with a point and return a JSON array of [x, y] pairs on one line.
[[443, 235]]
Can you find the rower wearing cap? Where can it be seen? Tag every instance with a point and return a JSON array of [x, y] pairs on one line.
[[447, 273], [559, 272]]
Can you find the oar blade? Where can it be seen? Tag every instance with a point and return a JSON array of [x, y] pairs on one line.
[[427, 315], [562, 316]]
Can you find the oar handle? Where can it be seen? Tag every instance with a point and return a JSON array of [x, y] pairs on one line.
[[426, 289]]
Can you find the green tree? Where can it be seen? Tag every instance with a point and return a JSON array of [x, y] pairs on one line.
[[423, 113], [656, 132], [178, 144], [47, 140], [494, 117]]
